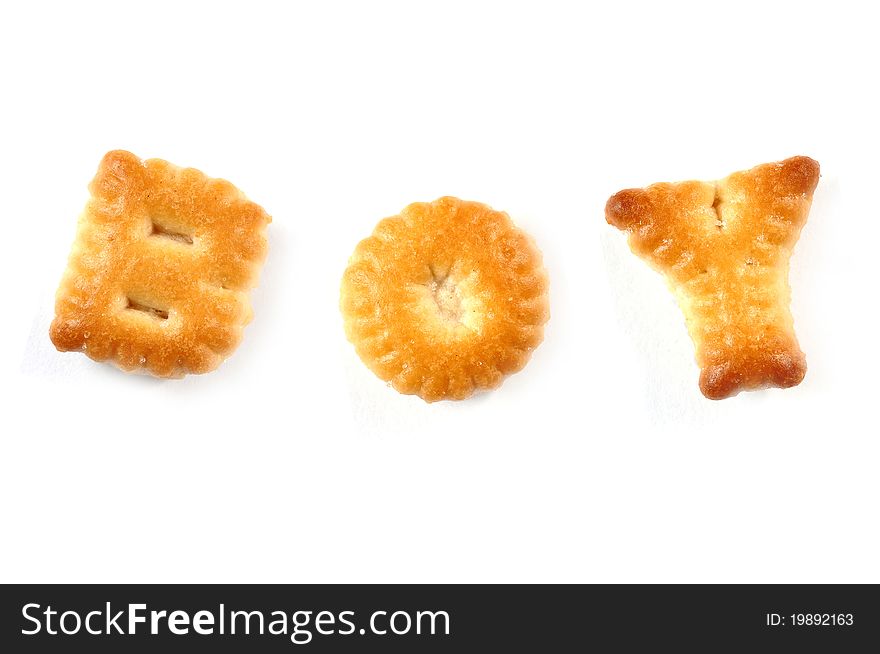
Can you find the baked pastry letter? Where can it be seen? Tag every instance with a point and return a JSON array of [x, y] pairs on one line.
[[445, 299], [159, 274], [724, 248]]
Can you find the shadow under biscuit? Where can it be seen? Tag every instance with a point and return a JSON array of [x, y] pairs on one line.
[[652, 321]]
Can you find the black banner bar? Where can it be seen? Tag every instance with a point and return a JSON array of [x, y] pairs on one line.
[[437, 618]]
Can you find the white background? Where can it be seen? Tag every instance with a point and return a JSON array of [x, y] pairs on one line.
[[600, 461]]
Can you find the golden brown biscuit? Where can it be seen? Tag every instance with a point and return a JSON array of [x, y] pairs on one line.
[[724, 248], [445, 299], [158, 276]]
